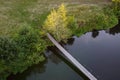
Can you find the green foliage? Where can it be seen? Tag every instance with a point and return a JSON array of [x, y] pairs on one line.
[[116, 7], [72, 22], [89, 17], [29, 40], [21, 51], [8, 49], [30, 44], [56, 23]]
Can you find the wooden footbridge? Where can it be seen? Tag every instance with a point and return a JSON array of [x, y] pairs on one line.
[[72, 59]]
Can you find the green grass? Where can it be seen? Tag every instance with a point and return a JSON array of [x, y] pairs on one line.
[[14, 13]]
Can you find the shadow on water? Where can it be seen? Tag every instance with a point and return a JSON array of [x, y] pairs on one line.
[[37, 68], [52, 57], [95, 33], [115, 29], [70, 41], [64, 59]]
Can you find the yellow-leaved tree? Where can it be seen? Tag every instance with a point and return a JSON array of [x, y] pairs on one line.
[[116, 0], [56, 23]]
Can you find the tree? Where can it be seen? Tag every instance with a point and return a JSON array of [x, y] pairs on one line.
[[56, 23], [20, 51]]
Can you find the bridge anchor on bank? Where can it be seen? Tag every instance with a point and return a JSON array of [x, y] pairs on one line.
[[72, 59]]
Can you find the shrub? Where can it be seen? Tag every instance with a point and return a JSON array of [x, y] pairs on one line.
[[56, 23], [29, 40], [116, 7], [88, 17], [8, 49], [20, 51]]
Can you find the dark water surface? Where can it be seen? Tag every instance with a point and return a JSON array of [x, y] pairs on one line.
[[98, 51]]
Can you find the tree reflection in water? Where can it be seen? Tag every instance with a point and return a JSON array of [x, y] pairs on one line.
[[115, 29], [33, 70], [70, 41], [95, 33], [49, 54]]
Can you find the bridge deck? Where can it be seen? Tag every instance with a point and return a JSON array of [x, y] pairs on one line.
[[72, 59]]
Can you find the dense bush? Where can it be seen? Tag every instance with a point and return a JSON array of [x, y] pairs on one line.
[[116, 7], [29, 40], [56, 23], [89, 17], [20, 51], [8, 52], [8, 48]]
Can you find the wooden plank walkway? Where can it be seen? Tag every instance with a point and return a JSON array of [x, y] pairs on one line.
[[71, 58]]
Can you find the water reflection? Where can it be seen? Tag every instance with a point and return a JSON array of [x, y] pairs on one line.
[[95, 33], [49, 54], [114, 30], [35, 69], [70, 41], [66, 60], [100, 55]]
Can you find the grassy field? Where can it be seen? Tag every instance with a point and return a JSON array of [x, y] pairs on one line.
[[15, 13]]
